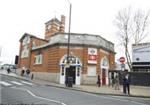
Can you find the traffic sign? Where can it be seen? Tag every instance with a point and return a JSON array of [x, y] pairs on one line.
[[122, 59]]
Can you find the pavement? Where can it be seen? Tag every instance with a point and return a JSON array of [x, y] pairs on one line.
[[135, 91]]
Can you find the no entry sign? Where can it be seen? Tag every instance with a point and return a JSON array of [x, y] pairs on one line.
[[122, 59]]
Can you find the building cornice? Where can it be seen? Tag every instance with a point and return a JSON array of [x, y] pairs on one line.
[[76, 39]]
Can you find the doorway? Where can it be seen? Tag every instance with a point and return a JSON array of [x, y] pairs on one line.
[[104, 70], [71, 72], [103, 76]]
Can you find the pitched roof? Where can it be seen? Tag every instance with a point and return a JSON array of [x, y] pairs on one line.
[[32, 36], [53, 20]]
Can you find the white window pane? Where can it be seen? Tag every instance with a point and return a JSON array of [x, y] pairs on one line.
[[91, 71], [38, 59]]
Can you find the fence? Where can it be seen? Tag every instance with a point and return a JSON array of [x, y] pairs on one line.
[[136, 78], [139, 78]]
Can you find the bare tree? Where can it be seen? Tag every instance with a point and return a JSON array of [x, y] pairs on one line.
[[140, 25], [132, 26]]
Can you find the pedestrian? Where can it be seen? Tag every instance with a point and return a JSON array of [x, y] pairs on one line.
[[8, 70], [116, 82], [98, 81], [22, 72], [126, 84], [113, 82], [27, 71], [66, 81]]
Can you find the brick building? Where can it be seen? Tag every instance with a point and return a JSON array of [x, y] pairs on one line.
[[89, 55]]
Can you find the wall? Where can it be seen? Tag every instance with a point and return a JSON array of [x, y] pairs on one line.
[[90, 80], [51, 77], [53, 59], [40, 67], [50, 69], [26, 60], [143, 53]]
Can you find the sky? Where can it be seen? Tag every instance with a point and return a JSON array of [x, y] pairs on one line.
[[88, 16]]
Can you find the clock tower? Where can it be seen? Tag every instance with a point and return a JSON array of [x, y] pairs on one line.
[[54, 26]]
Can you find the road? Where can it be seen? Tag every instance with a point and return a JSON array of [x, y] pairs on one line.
[[17, 91]]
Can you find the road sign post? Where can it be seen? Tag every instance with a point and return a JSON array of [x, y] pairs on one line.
[[122, 60]]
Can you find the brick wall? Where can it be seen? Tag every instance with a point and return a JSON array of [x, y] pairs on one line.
[[27, 61], [112, 61], [39, 67], [53, 54], [24, 61], [53, 59], [19, 59]]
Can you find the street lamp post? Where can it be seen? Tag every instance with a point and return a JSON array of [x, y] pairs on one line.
[[68, 50], [68, 44]]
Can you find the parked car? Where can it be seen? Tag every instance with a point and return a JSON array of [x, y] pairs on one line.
[[9, 66]]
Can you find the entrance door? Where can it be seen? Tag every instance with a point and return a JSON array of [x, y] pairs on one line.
[[71, 72], [74, 70], [103, 76]]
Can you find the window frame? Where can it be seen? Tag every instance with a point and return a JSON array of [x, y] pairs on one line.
[[38, 59]]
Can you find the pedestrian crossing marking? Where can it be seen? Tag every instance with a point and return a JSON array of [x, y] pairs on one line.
[[20, 83], [5, 83], [17, 83], [28, 83]]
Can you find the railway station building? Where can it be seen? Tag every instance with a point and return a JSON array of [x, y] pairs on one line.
[[89, 55]]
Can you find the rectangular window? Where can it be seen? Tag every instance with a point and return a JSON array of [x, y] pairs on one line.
[[91, 71], [38, 59], [25, 52], [26, 40]]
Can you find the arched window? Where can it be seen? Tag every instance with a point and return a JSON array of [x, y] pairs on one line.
[[105, 62], [73, 60]]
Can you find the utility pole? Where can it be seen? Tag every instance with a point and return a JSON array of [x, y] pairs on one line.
[[68, 47], [68, 81]]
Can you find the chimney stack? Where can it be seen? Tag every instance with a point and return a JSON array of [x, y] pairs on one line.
[[62, 25]]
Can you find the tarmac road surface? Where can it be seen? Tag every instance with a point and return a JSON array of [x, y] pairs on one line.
[[18, 91]]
